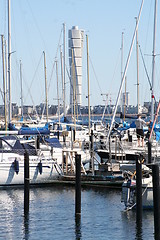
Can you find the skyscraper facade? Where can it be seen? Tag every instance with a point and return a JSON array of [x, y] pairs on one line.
[[75, 38]]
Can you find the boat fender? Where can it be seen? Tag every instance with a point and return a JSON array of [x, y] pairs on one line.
[[16, 166], [40, 167]]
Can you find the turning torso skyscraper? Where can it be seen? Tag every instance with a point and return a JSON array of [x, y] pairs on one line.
[[75, 38]]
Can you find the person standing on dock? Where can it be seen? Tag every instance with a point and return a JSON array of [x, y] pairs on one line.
[[140, 123]]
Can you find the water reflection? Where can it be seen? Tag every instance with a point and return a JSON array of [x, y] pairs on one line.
[[139, 223], [52, 212], [26, 225], [139, 231], [78, 234]]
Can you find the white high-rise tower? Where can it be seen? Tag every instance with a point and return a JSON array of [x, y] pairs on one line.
[[75, 37]]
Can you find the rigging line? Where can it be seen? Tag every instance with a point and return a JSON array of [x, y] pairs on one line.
[[29, 92], [147, 74], [95, 74], [96, 78], [55, 58], [34, 75], [51, 75], [41, 35], [145, 68]]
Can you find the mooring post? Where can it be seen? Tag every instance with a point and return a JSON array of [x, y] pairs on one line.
[[74, 135], [139, 190], [71, 138], [38, 142], [78, 227], [58, 134], [156, 200], [91, 153], [26, 182], [78, 184], [149, 152]]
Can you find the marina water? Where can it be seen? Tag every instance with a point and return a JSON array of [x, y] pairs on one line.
[[52, 215]]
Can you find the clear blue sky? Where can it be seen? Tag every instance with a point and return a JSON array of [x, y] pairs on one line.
[[36, 26]]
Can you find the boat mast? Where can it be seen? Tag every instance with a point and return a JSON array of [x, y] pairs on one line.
[[137, 70], [88, 85], [62, 78], [9, 64], [45, 75], [4, 84], [58, 92], [21, 89], [64, 64], [125, 98], [121, 69], [153, 61], [124, 74], [74, 89], [6, 63]]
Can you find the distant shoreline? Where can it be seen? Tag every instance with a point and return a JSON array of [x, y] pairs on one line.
[[130, 115]]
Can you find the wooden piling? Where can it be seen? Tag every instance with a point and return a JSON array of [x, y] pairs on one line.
[[78, 184], [26, 182], [156, 200], [138, 190]]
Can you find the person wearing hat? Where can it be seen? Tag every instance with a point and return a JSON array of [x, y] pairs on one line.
[[140, 123]]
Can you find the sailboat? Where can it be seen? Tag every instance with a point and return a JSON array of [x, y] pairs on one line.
[[43, 168]]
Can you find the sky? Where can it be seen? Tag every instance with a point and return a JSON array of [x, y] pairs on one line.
[[36, 26]]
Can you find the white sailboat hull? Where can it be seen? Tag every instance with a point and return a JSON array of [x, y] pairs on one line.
[[38, 173]]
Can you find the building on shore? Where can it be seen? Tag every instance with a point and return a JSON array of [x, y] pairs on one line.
[[75, 44]]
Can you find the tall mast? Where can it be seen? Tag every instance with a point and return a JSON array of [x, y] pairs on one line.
[[125, 98], [9, 63], [153, 60], [6, 63], [21, 89], [62, 80], [88, 85], [121, 68], [4, 84], [46, 92], [58, 92], [74, 87], [137, 69], [64, 64]]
